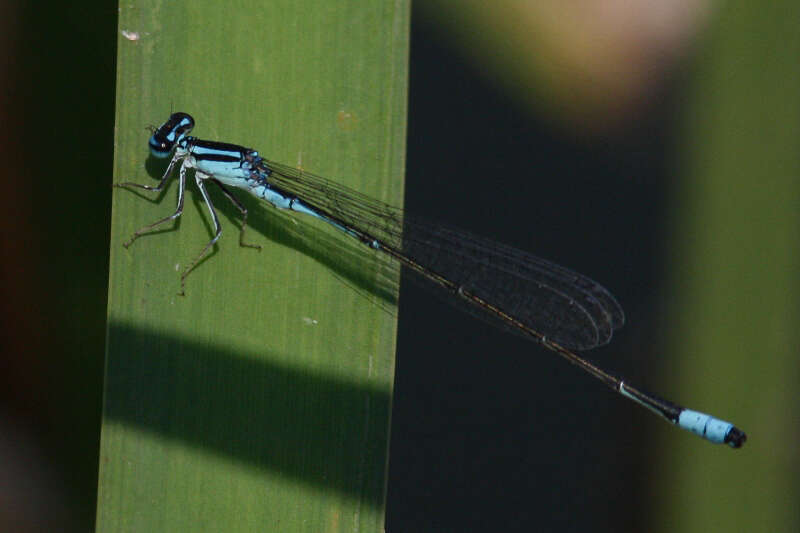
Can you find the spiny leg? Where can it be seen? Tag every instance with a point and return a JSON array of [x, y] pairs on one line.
[[199, 177], [243, 210], [178, 210], [157, 188]]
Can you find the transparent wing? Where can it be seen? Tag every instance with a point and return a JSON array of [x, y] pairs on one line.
[[564, 306]]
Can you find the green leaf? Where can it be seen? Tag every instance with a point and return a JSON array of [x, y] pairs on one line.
[[734, 340], [261, 399]]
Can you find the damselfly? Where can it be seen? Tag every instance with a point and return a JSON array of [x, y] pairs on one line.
[[560, 309]]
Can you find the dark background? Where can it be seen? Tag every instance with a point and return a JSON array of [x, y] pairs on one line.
[[485, 424], [490, 432]]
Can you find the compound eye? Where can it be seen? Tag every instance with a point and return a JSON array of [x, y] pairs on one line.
[[159, 147], [170, 133]]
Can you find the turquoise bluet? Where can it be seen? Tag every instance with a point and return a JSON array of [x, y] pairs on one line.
[[562, 310]]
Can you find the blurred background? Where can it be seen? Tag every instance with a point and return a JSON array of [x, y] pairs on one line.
[[651, 145]]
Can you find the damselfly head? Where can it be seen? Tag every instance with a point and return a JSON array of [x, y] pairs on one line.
[[170, 133]]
